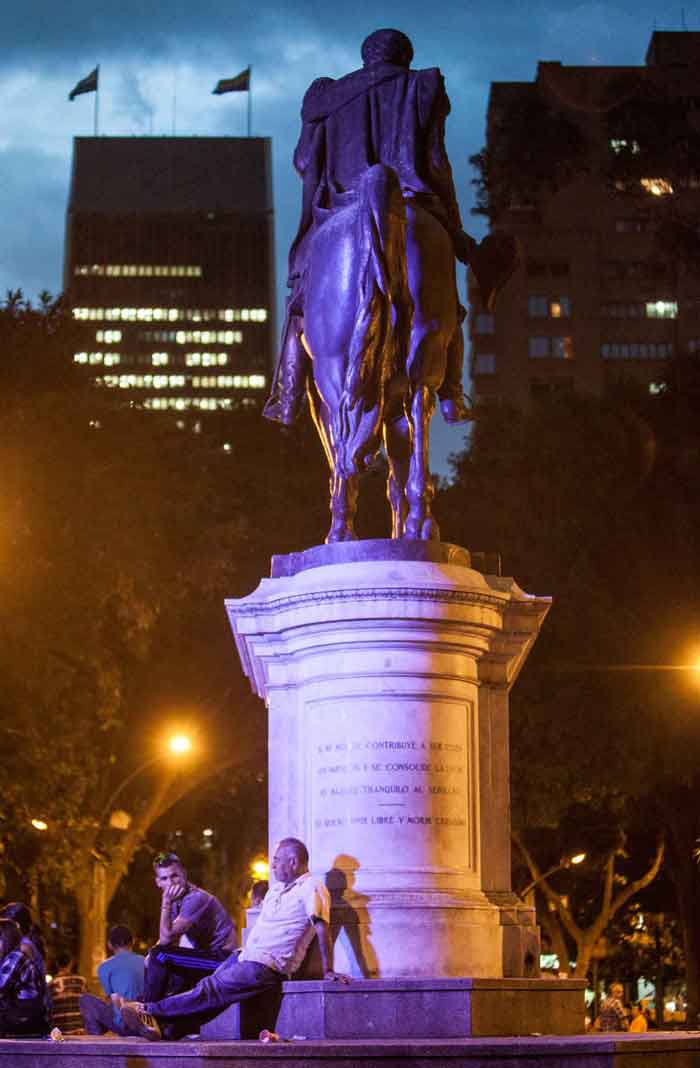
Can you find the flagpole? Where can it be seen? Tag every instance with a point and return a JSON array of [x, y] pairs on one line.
[[250, 100], [97, 96]]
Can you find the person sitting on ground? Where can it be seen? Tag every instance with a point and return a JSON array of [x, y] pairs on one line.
[[121, 976], [32, 943], [195, 934], [638, 1021], [612, 1016], [22, 987], [295, 909], [64, 992]]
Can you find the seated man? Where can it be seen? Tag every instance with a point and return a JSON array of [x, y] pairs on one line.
[[121, 976], [195, 934], [295, 908], [65, 990]]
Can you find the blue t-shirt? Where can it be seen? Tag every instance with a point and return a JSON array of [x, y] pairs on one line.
[[122, 974]]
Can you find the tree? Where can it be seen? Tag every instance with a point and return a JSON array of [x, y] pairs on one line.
[[538, 148], [586, 926], [121, 537], [583, 498]]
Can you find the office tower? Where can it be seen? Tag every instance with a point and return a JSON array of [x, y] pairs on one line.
[[591, 168], [168, 268]]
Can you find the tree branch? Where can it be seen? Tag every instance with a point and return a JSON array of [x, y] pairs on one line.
[[548, 891]]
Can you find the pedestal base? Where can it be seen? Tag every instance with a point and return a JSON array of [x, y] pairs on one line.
[[386, 668], [409, 1009]]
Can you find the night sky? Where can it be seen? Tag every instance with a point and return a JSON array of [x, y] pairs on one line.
[[151, 51]]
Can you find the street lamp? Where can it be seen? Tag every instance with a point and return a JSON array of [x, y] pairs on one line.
[[260, 868], [40, 825], [178, 744], [577, 858]]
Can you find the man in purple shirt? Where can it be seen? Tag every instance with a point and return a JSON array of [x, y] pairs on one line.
[[195, 932]]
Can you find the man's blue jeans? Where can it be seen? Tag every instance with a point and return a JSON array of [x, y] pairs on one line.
[[232, 981]]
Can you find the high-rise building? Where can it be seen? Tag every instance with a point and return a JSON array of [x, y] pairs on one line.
[[168, 268], [591, 168]]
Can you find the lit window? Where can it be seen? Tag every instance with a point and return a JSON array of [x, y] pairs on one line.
[[657, 387], [562, 348], [619, 145], [540, 306], [662, 309], [484, 363], [159, 359], [560, 308], [631, 350], [658, 187], [139, 270], [80, 357], [558, 348]]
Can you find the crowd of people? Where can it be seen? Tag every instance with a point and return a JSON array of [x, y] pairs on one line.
[[615, 1015], [194, 971]]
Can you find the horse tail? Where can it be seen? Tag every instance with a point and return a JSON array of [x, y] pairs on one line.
[[381, 328]]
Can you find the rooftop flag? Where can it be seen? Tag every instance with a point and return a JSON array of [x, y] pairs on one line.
[[239, 84], [86, 85]]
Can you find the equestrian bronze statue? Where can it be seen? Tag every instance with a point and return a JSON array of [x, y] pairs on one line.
[[373, 327]]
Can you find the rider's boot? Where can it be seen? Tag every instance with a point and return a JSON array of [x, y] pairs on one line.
[[452, 400], [289, 388]]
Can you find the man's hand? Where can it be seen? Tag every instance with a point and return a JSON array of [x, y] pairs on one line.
[[170, 893], [336, 977]]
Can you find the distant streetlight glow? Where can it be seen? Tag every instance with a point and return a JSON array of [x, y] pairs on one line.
[[260, 869], [207, 832], [577, 858], [40, 825], [179, 744]]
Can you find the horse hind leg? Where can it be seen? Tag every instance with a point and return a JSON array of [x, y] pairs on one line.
[[420, 488], [344, 492], [397, 441]]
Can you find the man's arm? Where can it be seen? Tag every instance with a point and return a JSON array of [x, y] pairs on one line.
[[170, 930], [326, 950], [10, 968]]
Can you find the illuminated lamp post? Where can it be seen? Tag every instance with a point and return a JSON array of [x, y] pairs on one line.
[[577, 858]]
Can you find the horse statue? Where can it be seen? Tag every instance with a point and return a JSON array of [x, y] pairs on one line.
[[374, 326]]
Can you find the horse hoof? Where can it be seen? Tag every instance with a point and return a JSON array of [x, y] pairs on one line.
[[341, 534], [430, 531]]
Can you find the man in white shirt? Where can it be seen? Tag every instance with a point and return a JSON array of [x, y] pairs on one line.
[[296, 908]]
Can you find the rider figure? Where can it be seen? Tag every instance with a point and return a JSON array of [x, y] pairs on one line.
[[383, 113]]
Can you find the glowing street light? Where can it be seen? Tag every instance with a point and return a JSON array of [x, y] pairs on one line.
[[179, 744], [260, 869], [40, 825], [577, 858]]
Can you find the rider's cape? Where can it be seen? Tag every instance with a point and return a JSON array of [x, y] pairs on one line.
[[379, 114]]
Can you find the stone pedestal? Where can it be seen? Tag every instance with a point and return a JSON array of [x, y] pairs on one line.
[[407, 1009], [386, 668]]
